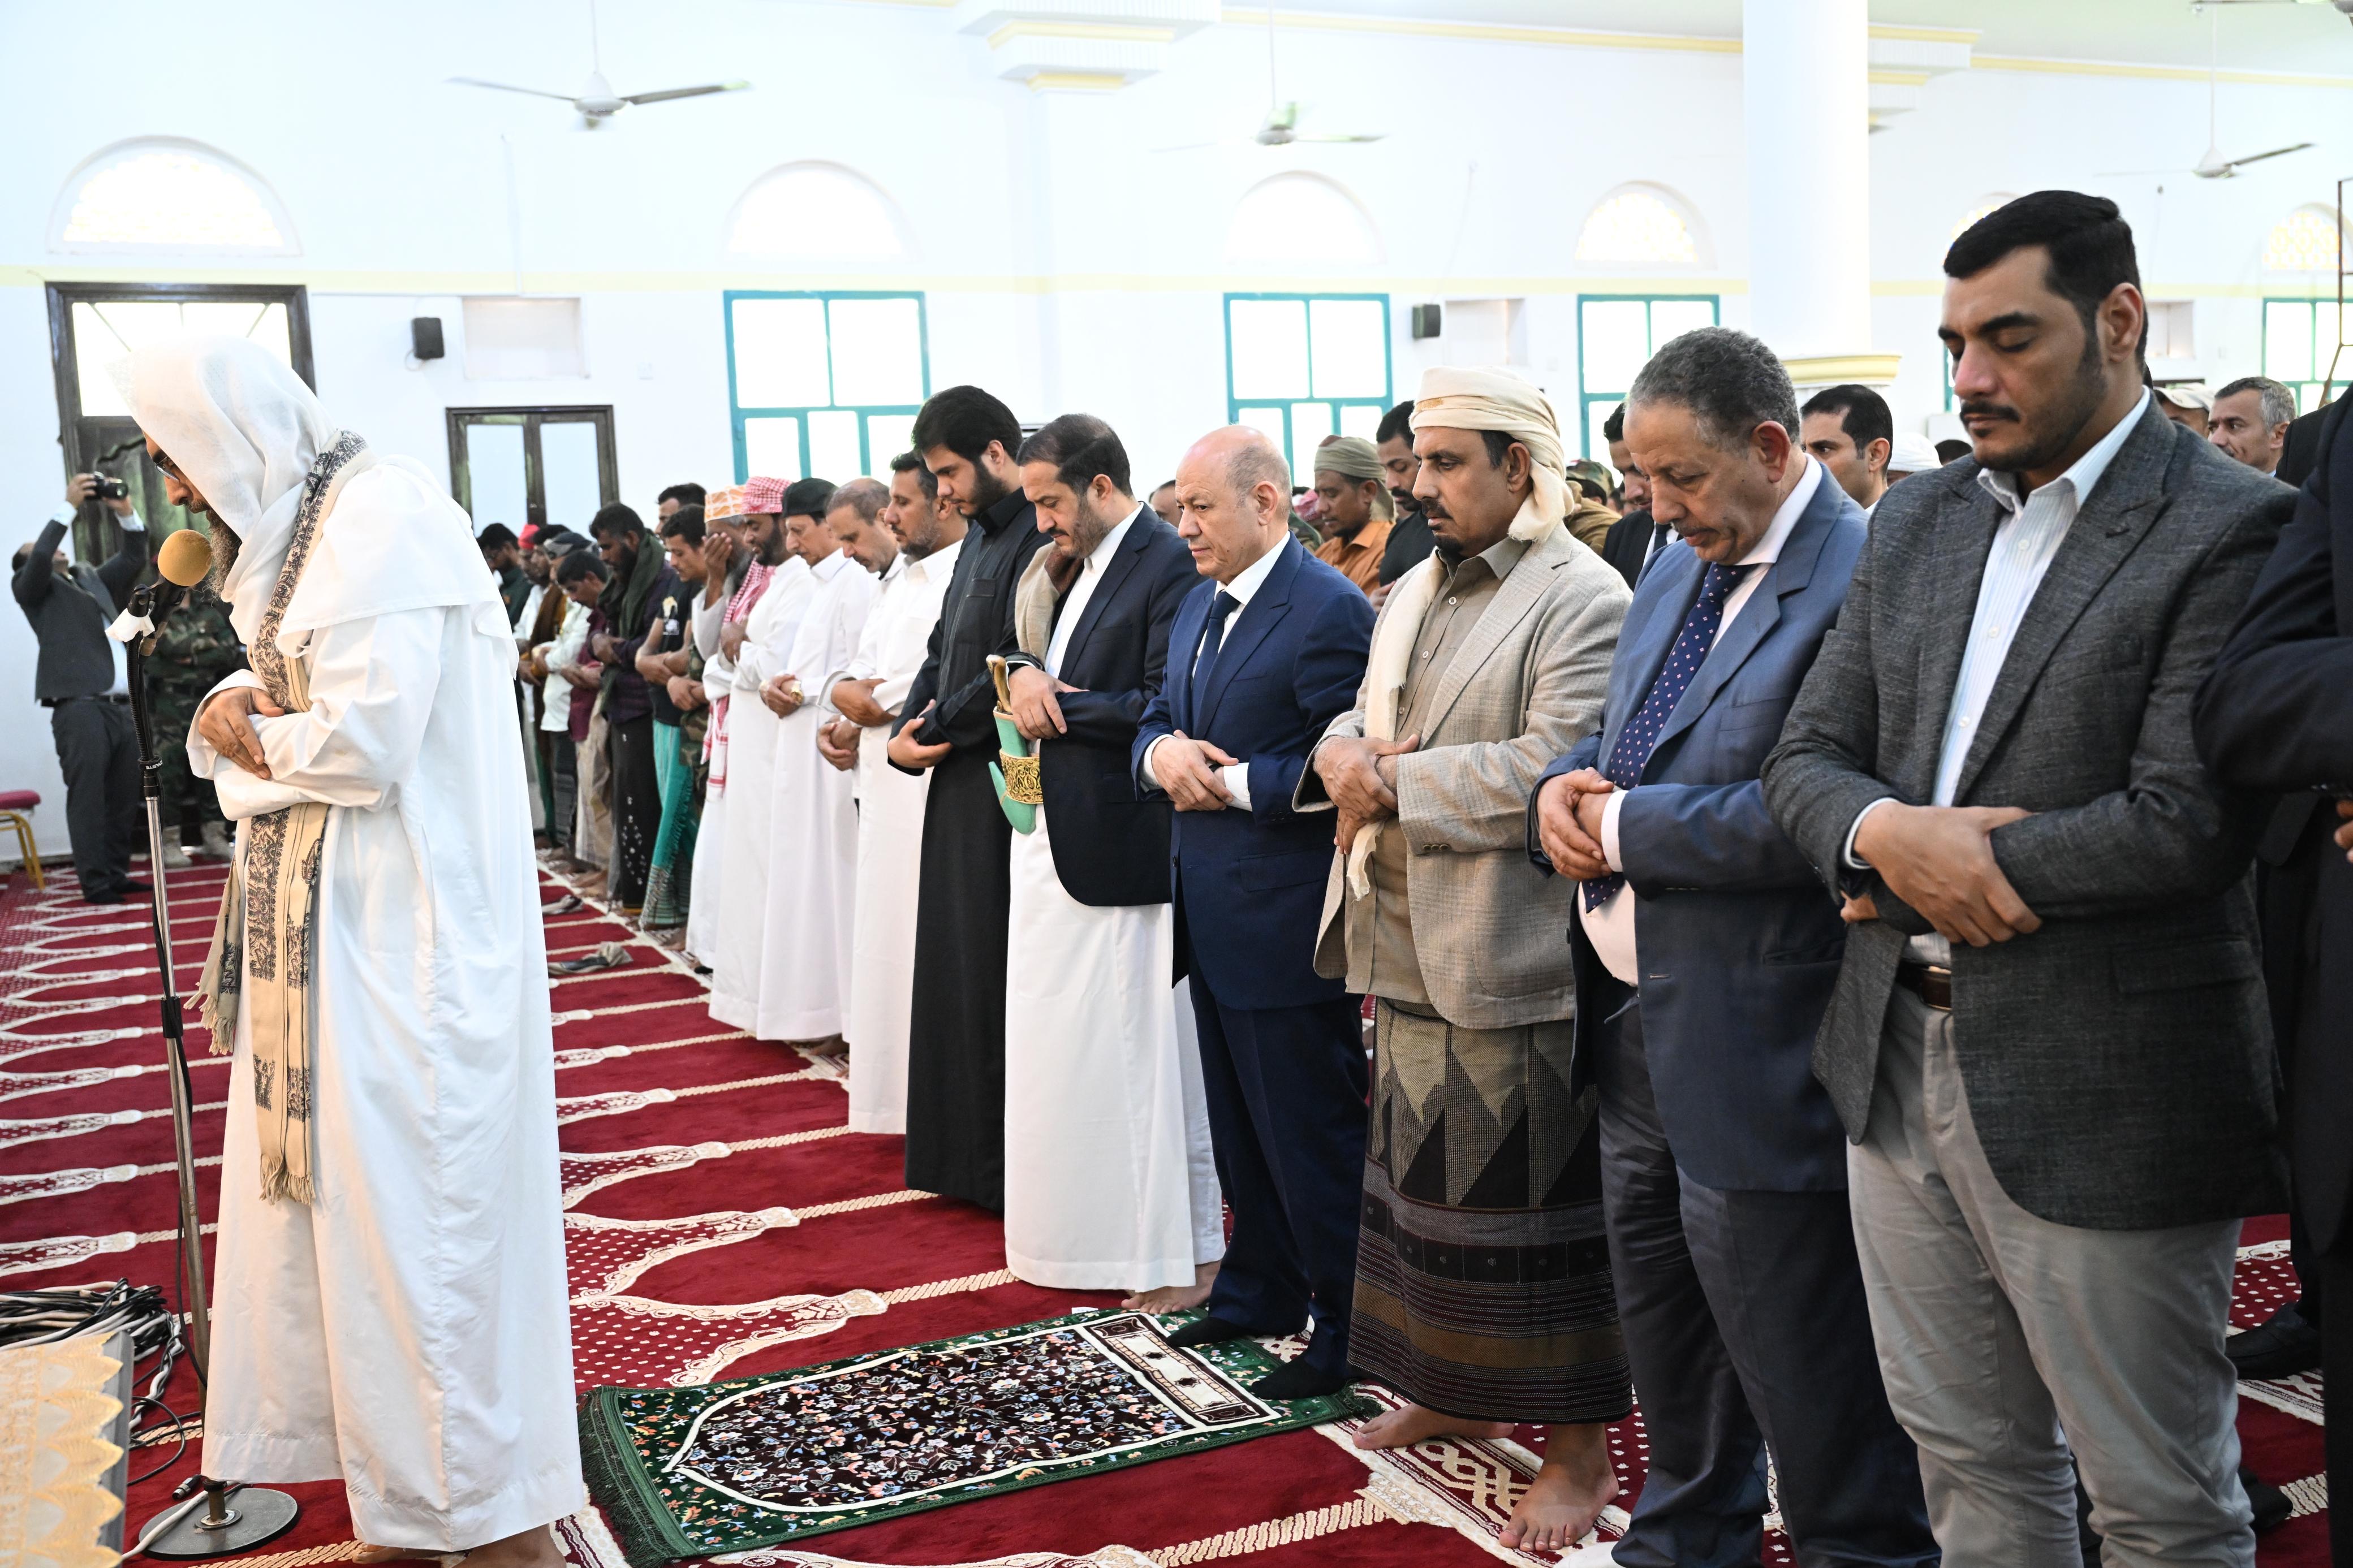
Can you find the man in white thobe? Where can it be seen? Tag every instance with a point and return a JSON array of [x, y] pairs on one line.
[[812, 832], [747, 580], [390, 1268], [867, 696], [1109, 1178], [784, 524]]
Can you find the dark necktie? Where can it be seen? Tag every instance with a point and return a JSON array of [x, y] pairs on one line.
[[1631, 752], [1223, 606]]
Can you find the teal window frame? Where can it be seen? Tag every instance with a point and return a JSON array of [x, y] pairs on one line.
[[2308, 390], [1587, 396], [1234, 406], [737, 412]]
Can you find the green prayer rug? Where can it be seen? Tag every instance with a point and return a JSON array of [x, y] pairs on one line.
[[758, 1461]]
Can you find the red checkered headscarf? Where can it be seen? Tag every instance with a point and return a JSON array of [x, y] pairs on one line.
[[762, 496]]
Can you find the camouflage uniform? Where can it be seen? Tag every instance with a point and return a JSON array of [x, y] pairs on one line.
[[195, 651]]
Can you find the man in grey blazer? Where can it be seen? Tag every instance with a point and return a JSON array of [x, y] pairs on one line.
[[2048, 1040], [1489, 657], [1706, 954]]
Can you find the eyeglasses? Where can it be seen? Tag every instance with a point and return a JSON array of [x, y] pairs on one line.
[[163, 460]]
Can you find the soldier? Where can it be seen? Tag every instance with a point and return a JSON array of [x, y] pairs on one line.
[[195, 649]]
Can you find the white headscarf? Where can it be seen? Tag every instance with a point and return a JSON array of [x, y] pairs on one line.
[[1458, 398], [245, 430]]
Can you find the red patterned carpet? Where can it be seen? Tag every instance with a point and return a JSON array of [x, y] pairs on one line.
[[723, 1221]]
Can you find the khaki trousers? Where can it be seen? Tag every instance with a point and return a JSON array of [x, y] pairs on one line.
[[2006, 1340]]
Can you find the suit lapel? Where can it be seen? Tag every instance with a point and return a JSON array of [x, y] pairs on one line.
[[1184, 633], [1115, 571], [1662, 602], [2108, 526], [1268, 606], [1952, 565], [1515, 599]]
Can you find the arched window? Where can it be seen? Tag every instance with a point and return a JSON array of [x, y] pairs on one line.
[[1647, 226], [1986, 207], [817, 212], [164, 193], [2307, 240], [1301, 220]]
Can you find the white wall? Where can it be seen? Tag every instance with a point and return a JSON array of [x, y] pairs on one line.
[[1065, 263]]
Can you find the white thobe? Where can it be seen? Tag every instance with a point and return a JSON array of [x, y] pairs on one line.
[[1109, 1179], [406, 1332], [890, 844], [768, 633], [710, 829], [813, 827]]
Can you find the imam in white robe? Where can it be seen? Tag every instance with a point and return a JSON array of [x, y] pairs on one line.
[[813, 826], [408, 1332], [768, 633], [890, 843], [1109, 1179]]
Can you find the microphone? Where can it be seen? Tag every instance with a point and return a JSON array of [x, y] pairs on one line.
[[184, 560]]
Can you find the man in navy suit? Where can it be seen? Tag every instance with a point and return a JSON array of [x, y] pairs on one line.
[[1261, 658], [1109, 1182], [1706, 952]]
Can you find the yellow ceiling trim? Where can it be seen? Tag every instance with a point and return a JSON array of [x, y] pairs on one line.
[[1927, 34], [1076, 81], [2038, 67], [1481, 31], [1885, 78], [1094, 32]]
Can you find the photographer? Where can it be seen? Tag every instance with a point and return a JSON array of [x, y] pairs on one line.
[[81, 679]]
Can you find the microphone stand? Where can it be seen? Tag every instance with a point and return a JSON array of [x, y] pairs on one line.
[[212, 1529]]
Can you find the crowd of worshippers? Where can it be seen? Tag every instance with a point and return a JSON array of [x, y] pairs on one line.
[[1804, 884]]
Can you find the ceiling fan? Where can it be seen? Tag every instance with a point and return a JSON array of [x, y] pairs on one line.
[[1280, 127], [2213, 165], [598, 102]]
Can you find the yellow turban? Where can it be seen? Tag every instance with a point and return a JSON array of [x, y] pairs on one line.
[[1455, 398]]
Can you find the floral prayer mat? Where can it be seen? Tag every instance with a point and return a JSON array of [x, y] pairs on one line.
[[759, 1461]]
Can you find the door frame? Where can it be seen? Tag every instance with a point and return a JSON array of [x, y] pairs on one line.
[[530, 416]]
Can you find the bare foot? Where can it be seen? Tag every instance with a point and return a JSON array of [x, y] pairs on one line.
[[833, 1048], [528, 1549], [1404, 1428], [1175, 1298], [1559, 1506], [388, 1554]]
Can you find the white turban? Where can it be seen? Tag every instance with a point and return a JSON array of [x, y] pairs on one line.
[[245, 431], [1454, 398]]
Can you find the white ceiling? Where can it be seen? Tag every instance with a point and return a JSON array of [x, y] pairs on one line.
[[2304, 38]]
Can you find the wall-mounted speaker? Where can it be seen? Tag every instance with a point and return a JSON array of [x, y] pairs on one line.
[[1427, 321], [425, 337]]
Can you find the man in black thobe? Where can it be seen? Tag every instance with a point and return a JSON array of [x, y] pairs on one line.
[[956, 1047]]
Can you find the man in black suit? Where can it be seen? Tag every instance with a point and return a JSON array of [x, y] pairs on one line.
[[80, 679], [2047, 1039], [1109, 1184], [1636, 536], [1410, 539], [2277, 714]]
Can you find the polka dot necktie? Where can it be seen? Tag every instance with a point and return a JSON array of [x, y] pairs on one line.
[[1632, 753]]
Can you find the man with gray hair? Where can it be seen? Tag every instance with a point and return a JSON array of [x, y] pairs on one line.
[[2250, 421], [1705, 955], [1261, 659]]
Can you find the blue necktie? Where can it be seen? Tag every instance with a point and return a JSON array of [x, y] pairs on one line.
[[1632, 753], [1223, 606]]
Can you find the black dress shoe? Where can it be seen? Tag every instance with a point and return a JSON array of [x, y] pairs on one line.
[[1297, 1380], [2271, 1505], [2281, 1346], [1207, 1332]]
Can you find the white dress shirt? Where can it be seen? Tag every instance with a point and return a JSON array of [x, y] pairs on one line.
[[1610, 926], [1082, 592], [2028, 537], [1244, 587], [897, 636]]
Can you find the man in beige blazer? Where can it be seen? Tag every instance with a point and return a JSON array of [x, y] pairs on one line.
[[1488, 659]]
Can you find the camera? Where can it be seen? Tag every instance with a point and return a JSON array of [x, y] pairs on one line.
[[108, 488]]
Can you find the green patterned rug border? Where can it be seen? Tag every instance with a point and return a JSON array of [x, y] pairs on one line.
[[618, 1450]]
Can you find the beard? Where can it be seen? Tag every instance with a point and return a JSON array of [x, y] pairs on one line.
[[988, 490], [225, 545]]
